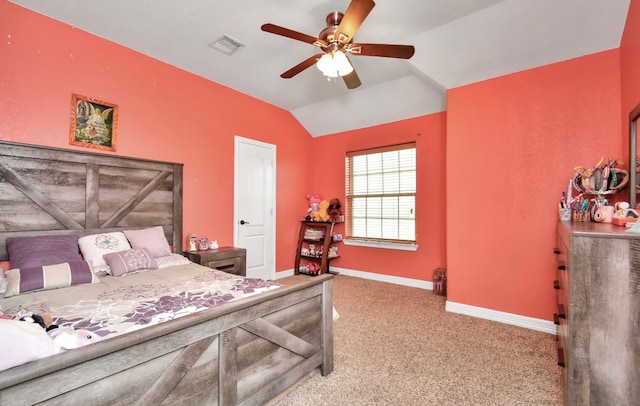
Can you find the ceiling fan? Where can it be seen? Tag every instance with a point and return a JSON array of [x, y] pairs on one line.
[[336, 40]]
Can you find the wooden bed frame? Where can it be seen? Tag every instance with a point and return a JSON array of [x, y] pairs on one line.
[[244, 352]]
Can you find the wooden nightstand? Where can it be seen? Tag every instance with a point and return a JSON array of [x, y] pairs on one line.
[[228, 259]]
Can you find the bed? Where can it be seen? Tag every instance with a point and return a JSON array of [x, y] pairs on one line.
[[245, 348]]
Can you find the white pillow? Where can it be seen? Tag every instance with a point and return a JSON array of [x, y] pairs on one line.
[[94, 246]]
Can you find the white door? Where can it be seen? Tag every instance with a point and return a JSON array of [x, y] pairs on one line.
[[254, 205]]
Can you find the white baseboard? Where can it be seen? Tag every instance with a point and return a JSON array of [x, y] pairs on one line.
[[397, 280], [502, 317], [508, 318]]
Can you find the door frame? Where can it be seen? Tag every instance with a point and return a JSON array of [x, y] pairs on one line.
[[236, 216]]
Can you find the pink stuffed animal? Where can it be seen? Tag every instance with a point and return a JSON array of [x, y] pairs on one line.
[[314, 206]]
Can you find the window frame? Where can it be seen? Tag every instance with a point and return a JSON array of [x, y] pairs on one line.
[[350, 196]]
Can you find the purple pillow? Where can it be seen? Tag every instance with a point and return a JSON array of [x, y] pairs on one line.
[[123, 262], [21, 280], [33, 252]]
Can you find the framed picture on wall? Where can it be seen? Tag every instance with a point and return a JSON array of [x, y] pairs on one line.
[[93, 123]]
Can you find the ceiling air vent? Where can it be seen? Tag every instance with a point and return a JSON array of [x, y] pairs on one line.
[[226, 44]]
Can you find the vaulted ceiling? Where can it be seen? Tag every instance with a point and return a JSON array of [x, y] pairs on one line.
[[457, 42]]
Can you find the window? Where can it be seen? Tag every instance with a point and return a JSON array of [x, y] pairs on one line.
[[381, 194]]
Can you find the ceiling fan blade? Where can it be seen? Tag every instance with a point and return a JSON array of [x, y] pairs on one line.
[[285, 32], [352, 80], [301, 66], [384, 50], [357, 11]]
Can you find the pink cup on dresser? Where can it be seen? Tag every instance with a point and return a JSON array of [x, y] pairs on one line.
[[604, 214]]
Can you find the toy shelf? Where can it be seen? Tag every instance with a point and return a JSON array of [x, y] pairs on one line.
[[316, 234]]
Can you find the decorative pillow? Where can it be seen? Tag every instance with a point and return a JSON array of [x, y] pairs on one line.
[[93, 248], [152, 238], [21, 280], [30, 252], [171, 260], [123, 262]]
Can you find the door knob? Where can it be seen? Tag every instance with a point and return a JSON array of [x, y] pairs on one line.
[[243, 222]]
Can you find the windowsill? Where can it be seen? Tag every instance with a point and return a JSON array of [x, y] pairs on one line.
[[384, 245]]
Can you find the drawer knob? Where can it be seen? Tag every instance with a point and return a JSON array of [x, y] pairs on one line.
[[562, 266], [556, 251], [556, 320], [556, 284]]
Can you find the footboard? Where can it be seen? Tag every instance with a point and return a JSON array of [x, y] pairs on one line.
[[241, 353]]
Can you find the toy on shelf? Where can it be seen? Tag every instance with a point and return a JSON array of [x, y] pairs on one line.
[[335, 210], [322, 214], [314, 206]]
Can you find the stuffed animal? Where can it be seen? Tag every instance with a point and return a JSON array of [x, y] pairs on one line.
[[314, 206], [322, 214], [43, 320], [67, 338], [64, 338], [335, 209], [314, 269]]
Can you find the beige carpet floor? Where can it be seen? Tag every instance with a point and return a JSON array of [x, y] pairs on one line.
[[396, 345]]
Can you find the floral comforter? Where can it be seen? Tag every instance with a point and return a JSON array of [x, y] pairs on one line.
[[118, 305]]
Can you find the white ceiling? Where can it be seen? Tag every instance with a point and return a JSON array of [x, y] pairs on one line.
[[457, 42]]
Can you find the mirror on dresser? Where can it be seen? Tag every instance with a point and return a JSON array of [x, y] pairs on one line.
[[633, 155]]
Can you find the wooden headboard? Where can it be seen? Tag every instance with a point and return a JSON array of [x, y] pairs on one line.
[[46, 191]]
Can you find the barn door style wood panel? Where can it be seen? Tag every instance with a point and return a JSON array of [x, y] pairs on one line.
[[56, 191]]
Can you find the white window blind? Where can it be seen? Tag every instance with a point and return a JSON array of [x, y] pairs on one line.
[[381, 194]]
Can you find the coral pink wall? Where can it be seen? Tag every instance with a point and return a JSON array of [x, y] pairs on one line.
[[630, 66], [512, 143], [164, 113], [429, 134]]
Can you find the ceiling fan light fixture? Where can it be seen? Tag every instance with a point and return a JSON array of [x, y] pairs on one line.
[[342, 63], [334, 65]]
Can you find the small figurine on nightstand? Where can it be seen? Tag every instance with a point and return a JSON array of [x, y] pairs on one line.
[[193, 241], [214, 245], [203, 244]]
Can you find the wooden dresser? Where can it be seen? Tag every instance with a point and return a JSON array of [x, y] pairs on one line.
[[598, 317], [228, 259]]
